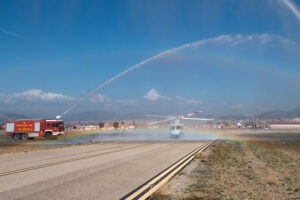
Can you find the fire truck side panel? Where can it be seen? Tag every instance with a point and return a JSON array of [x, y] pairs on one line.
[[31, 127], [24, 127]]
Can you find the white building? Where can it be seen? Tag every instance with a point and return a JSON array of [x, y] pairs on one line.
[[89, 128], [285, 125]]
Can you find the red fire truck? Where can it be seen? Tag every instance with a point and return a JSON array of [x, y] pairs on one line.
[[30, 129]]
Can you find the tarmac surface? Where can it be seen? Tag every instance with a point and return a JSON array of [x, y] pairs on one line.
[[106, 170]]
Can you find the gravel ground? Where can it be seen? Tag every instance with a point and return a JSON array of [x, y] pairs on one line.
[[248, 168]]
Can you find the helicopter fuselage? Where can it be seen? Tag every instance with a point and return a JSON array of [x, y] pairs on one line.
[[176, 129]]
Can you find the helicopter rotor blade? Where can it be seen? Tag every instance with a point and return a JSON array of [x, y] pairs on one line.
[[160, 116], [169, 118], [157, 122], [190, 114]]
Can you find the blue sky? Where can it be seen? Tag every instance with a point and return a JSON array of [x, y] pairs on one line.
[[54, 52]]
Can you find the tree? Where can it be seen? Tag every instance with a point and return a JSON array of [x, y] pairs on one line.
[[116, 125], [101, 125]]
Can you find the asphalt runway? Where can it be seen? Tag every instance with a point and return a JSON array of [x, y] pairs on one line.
[[106, 170]]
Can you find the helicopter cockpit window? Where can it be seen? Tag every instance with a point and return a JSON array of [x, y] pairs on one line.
[[172, 127], [178, 127]]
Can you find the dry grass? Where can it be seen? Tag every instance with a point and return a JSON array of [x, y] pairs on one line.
[[8, 145], [202, 156], [162, 194], [242, 170]]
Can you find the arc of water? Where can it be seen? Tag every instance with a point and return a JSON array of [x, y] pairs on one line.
[[221, 39], [120, 75]]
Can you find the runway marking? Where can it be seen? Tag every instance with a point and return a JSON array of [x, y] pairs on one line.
[[70, 160], [148, 188]]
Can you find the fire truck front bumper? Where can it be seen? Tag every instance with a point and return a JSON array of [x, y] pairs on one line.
[[58, 133]]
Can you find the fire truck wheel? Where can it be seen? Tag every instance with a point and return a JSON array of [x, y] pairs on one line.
[[24, 136], [16, 136], [48, 135]]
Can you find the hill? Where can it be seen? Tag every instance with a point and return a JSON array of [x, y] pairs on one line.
[[92, 116], [5, 116], [279, 115]]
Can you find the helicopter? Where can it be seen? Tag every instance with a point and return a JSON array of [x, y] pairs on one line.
[[177, 126]]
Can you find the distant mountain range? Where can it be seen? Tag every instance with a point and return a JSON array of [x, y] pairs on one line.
[[105, 116], [5, 116], [279, 115], [272, 115], [232, 117], [99, 115], [111, 116], [92, 115]]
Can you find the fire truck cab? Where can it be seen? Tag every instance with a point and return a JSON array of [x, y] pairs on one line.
[[30, 129]]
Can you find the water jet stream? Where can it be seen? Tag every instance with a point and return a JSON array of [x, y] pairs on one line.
[[228, 39], [122, 74]]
